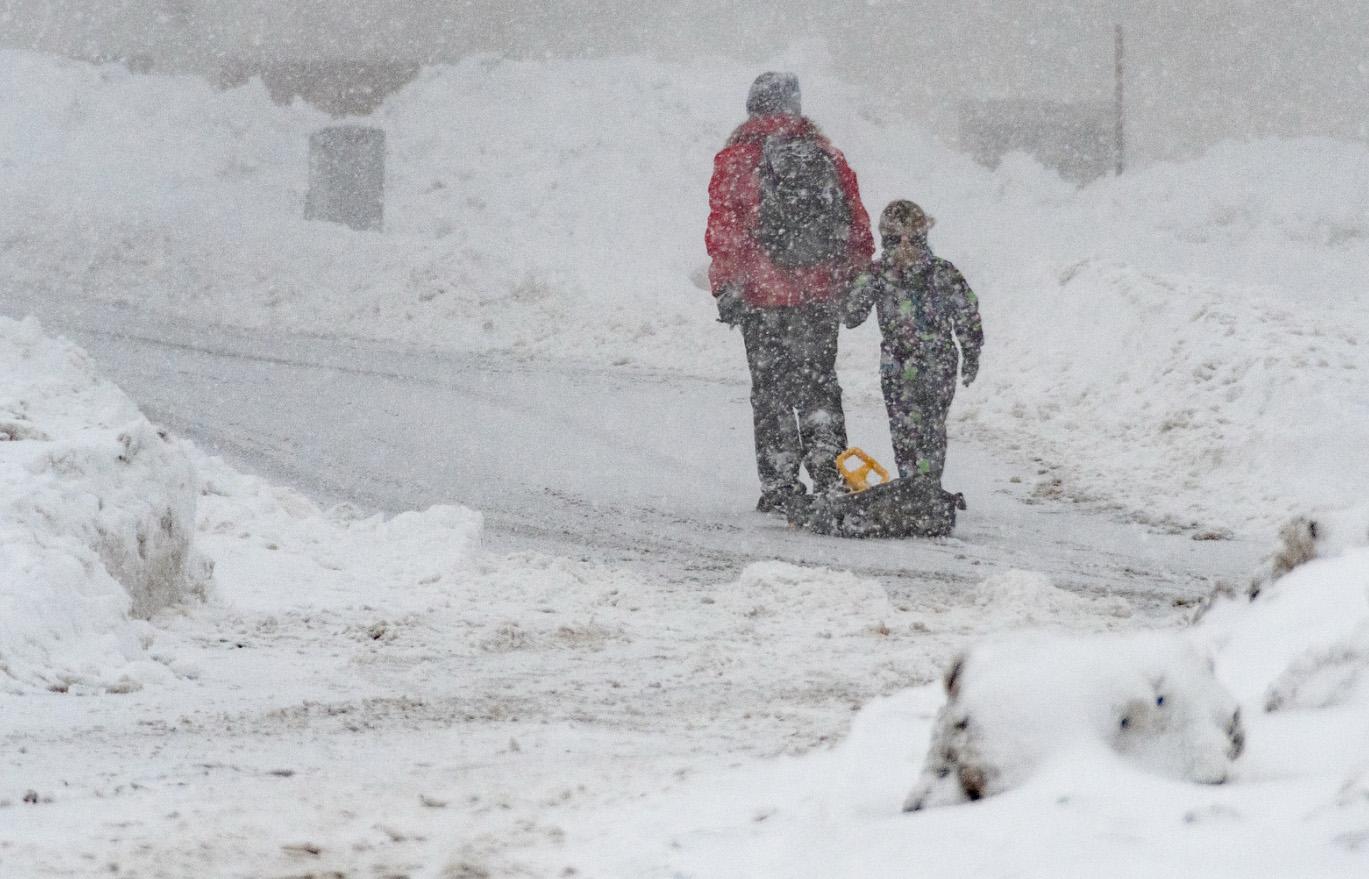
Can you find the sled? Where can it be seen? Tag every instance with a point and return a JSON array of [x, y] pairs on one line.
[[858, 478], [915, 506]]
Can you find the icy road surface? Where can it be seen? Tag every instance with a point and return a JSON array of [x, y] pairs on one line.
[[622, 467]]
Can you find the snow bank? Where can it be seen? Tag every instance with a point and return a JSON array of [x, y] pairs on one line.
[[1218, 400], [547, 208], [1185, 339], [97, 512], [279, 550]]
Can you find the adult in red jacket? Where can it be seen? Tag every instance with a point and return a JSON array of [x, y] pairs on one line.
[[786, 308]]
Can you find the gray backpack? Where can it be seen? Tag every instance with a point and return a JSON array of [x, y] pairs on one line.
[[804, 219]]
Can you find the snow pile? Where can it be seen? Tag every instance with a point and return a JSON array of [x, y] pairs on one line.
[[98, 147], [1092, 767], [1185, 339], [1016, 598], [548, 208], [279, 550], [1014, 703], [97, 512], [1249, 400]]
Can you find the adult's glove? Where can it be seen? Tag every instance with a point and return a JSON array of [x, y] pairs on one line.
[[731, 305], [969, 368]]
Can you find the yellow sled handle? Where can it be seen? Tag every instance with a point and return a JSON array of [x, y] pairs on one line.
[[859, 478]]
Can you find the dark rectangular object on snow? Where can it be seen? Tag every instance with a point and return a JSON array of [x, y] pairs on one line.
[[1077, 140], [912, 507], [347, 176]]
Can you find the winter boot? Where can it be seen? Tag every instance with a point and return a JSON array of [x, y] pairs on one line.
[[779, 498]]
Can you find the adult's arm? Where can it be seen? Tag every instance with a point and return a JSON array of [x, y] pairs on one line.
[[860, 244], [733, 203]]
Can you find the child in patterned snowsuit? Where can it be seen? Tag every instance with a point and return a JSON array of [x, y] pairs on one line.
[[924, 307]]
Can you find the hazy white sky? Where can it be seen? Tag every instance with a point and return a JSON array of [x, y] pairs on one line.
[[1197, 71]]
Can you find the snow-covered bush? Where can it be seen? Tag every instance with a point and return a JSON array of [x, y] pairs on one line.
[[1016, 702], [1298, 638], [1300, 540], [97, 511], [1324, 677], [1304, 538]]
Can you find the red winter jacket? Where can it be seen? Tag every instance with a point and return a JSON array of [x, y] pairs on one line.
[[734, 199]]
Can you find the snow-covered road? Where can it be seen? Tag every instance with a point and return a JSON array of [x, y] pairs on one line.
[[618, 467]]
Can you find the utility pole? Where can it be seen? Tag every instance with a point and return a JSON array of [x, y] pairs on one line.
[[1121, 130]]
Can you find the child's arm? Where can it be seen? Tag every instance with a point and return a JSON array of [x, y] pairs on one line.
[[859, 299], [969, 329]]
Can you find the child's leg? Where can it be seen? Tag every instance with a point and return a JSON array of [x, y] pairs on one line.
[[931, 395], [904, 415], [917, 396]]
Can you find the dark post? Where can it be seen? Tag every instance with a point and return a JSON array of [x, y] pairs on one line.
[[347, 176], [1121, 112]]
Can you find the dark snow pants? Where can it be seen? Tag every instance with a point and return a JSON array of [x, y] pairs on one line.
[[917, 396], [795, 398]]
